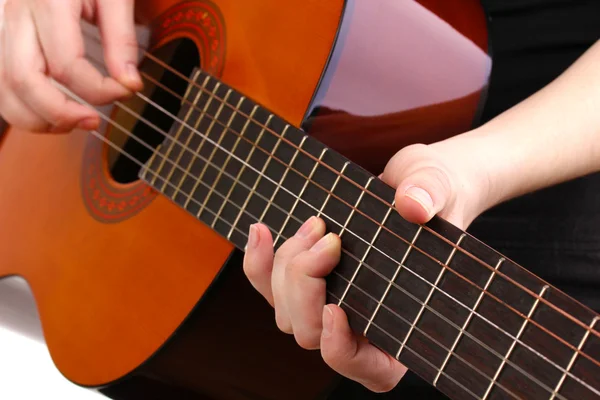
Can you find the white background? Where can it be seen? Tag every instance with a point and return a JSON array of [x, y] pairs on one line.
[[27, 372]]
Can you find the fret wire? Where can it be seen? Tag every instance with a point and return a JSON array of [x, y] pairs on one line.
[[329, 193], [364, 257], [220, 174], [176, 136], [146, 166], [203, 114], [239, 175], [149, 163], [572, 361], [181, 76], [280, 183], [321, 211], [186, 118], [434, 286], [280, 234], [312, 172], [425, 304], [396, 273], [514, 343], [260, 175], [471, 313], [405, 341], [100, 136], [412, 272], [428, 283], [356, 205], [466, 333], [400, 288], [411, 350], [470, 255], [212, 154], [186, 145], [189, 86], [467, 280], [199, 148]]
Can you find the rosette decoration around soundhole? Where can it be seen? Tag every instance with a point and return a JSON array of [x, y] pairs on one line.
[[188, 35]]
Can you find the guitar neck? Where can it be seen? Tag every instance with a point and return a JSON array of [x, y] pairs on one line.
[[453, 310]]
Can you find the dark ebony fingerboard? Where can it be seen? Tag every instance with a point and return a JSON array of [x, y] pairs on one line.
[[450, 308]]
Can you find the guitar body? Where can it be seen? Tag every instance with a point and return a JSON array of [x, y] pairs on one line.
[[139, 300]]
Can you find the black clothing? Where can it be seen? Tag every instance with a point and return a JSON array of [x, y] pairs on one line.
[[555, 232]]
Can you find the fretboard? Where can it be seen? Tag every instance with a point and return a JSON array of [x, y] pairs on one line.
[[450, 308]]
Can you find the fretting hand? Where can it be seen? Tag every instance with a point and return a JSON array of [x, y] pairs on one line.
[[520, 151], [42, 40], [292, 280]]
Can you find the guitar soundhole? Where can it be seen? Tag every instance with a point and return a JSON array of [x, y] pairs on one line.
[[182, 55]]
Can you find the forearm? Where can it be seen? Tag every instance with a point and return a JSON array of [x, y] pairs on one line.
[[551, 137]]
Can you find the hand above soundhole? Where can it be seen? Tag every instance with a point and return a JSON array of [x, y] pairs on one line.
[[43, 40], [429, 181]]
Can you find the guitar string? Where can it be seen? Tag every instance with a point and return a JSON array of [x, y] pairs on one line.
[[337, 173], [101, 137], [403, 343], [493, 270], [547, 331], [579, 351], [350, 254]]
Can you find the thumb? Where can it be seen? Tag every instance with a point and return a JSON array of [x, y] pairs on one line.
[[117, 27], [424, 186]]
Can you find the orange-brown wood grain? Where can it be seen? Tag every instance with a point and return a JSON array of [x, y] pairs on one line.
[[273, 48], [109, 295]]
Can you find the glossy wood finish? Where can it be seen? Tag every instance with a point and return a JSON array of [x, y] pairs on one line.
[[214, 354], [276, 51], [230, 350], [105, 298], [456, 309], [403, 72], [109, 295]]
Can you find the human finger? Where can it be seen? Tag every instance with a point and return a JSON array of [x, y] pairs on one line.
[[258, 260], [23, 75], [306, 289], [16, 113], [61, 39], [306, 236], [354, 357], [117, 27], [422, 182]]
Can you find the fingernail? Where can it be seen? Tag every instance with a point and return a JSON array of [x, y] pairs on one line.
[[306, 229], [88, 124], [327, 322], [132, 73], [322, 244], [253, 237], [421, 196]]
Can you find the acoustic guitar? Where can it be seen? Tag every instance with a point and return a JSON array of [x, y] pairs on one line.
[[130, 237]]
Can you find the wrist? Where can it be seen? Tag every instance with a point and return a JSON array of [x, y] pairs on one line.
[[477, 175]]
